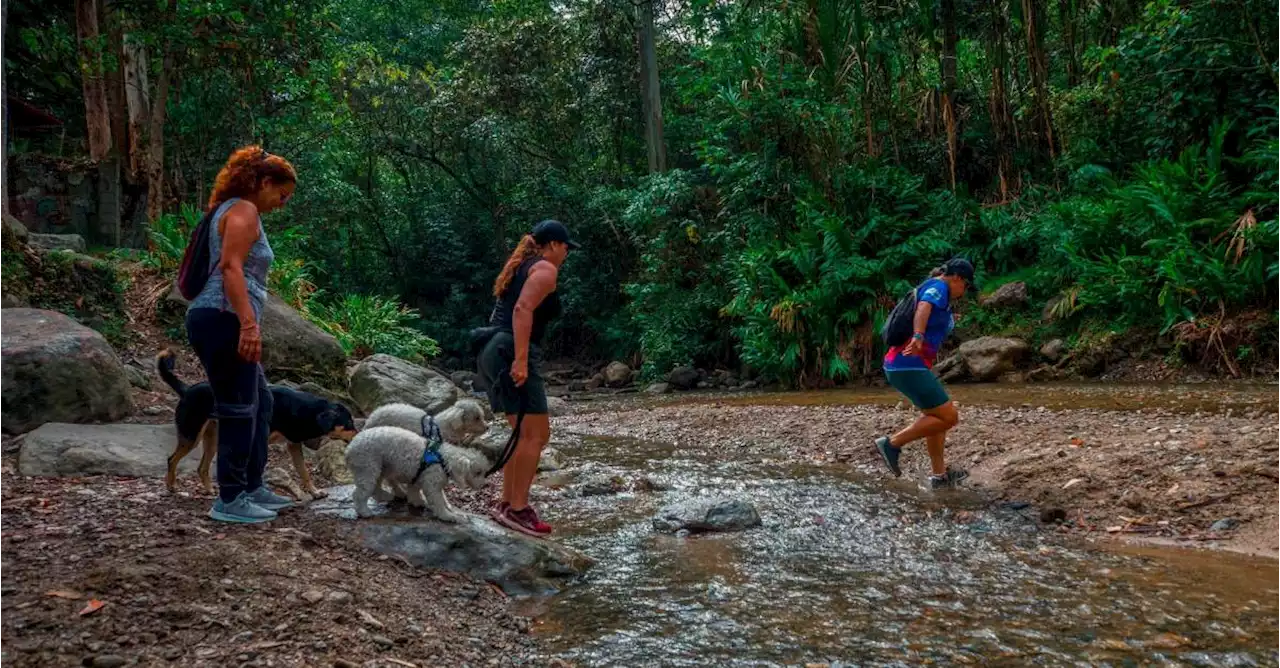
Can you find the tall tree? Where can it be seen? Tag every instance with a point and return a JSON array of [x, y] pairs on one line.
[[1038, 68], [1002, 122], [654, 140], [159, 112], [4, 115], [947, 66], [97, 120]]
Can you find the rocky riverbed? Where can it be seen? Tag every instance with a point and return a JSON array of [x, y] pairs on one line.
[[1193, 463]]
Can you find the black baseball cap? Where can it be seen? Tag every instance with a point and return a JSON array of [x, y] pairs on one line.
[[553, 230], [958, 266]]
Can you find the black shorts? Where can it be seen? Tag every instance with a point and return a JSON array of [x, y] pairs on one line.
[[494, 366]]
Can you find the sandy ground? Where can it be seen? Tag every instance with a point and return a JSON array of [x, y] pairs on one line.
[[1103, 473]]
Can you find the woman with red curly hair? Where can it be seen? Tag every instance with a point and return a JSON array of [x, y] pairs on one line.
[[527, 301], [223, 328]]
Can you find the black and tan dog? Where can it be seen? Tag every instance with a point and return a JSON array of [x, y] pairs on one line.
[[298, 418]]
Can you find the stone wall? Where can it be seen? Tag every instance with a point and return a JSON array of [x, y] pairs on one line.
[[52, 195]]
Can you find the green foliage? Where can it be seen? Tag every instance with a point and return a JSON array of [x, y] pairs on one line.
[[169, 236], [815, 173], [365, 325]]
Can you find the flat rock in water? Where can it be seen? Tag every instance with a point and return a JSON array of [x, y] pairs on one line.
[[69, 450], [382, 379], [557, 406], [709, 514], [477, 546], [57, 370]]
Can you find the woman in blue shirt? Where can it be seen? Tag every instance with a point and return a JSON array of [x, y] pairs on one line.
[[909, 369]]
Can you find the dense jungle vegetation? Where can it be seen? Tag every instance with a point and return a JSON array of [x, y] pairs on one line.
[[754, 181]]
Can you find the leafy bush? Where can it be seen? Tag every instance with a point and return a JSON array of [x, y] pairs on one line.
[[169, 236], [368, 324]]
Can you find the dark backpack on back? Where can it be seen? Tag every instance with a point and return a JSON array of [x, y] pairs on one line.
[[194, 271], [899, 326]]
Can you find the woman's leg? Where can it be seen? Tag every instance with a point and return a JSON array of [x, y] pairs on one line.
[[934, 422], [518, 475], [257, 463], [215, 335]]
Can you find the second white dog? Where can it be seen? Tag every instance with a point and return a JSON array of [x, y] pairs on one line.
[[394, 455]]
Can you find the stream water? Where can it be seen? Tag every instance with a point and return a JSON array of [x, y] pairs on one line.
[[848, 570]]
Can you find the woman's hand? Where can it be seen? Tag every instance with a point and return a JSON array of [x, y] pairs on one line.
[[251, 342], [520, 372], [913, 347]]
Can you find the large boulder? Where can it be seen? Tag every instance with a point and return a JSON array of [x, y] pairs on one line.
[[1009, 295], [707, 514], [383, 379], [476, 546], [70, 242], [617, 374], [57, 449], [683, 378], [1054, 350], [57, 370], [16, 227], [293, 347], [983, 359]]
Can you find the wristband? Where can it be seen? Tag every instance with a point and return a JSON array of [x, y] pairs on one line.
[[252, 325], [917, 336]]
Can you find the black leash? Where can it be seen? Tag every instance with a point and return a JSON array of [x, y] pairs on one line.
[[513, 440]]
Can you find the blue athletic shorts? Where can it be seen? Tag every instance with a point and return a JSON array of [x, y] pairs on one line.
[[920, 386]]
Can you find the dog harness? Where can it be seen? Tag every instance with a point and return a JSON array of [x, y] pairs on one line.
[[430, 454]]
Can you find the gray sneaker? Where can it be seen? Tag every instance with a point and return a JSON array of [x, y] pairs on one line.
[[948, 480], [240, 511], [265, 498]]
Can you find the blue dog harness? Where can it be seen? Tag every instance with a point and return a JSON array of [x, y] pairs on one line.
[[431, 454]]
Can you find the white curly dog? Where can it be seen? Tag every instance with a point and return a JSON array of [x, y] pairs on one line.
[[392, 449]]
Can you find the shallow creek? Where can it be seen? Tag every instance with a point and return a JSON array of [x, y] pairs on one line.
[[858, 571]]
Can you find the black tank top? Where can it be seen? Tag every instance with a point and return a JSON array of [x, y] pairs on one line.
[[504, 312]]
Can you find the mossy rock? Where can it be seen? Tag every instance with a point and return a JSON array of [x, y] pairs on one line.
[[85, 288]]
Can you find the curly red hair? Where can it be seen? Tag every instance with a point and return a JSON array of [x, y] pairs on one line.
[[245, 172]]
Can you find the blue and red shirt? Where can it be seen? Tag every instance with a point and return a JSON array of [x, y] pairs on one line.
[[941, 322]]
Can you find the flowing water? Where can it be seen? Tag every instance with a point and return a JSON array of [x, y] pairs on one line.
[[855, 571]]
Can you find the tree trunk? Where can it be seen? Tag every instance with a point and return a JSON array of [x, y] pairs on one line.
[[4, 126], [1067, 12], [137, 90], [652, 91], [1039, 70], [947, 65], [115, 81], [155, 136], [97, 121], [155, 122], [1002, 122]]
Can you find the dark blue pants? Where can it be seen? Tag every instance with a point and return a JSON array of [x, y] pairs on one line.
[[242, 401]]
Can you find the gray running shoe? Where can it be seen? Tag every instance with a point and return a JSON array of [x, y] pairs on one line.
[[268, 499], [890, 455], [240, 511], [948, 480]]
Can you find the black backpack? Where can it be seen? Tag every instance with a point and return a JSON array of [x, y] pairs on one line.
[[194, 271], [899, 326]]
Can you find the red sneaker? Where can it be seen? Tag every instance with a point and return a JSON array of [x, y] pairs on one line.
[[525, 521], [497, 510]]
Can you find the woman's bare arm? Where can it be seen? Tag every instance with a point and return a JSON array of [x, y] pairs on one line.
[[540, 283], [239, 232]]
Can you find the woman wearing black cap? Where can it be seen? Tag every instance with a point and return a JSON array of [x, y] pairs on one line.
[[909, 369], [527, 301]]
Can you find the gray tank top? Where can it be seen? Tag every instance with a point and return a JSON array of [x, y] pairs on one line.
[[256, 267]]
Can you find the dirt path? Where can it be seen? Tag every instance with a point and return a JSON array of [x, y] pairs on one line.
[[180, 589], [1104, 473]]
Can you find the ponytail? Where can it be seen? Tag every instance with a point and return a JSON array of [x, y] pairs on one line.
[[526, 249]]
